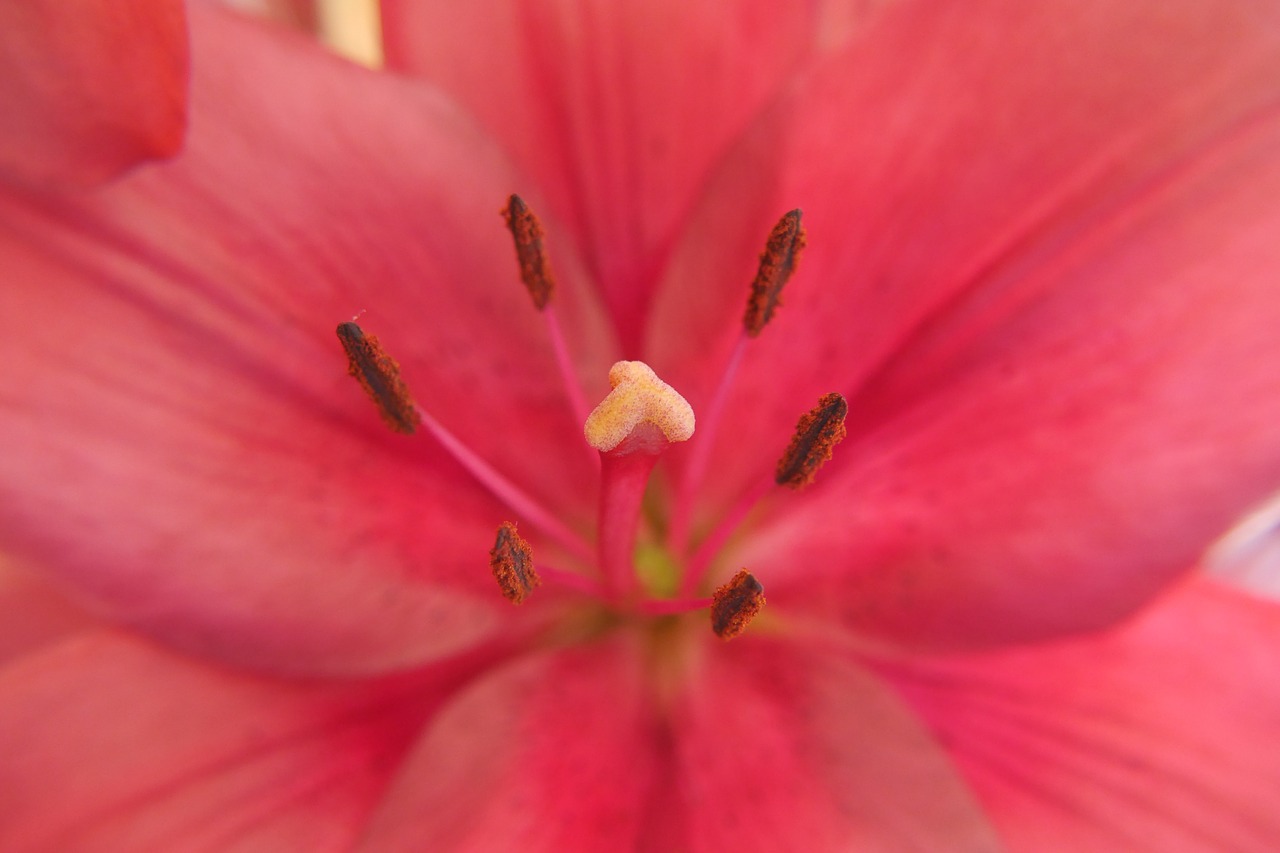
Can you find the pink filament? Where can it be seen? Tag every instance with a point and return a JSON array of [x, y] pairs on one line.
[[711, 546], [520, 502], [700, 450], [568, 375]]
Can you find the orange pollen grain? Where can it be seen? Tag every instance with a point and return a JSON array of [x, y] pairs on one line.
[[512, 562], [735, 604], [379, 376], [535, 269], [777, 263], [817, 433]]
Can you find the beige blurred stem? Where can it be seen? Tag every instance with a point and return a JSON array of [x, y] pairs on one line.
[[352, 28]]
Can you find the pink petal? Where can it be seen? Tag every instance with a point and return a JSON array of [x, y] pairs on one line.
[[90, 88], [32, 613], [1052, 454], [1041, 246], [555, 753], [784, 748], [111, 744], [1156, 736], [184, 447], [617, 111], [951, 149]]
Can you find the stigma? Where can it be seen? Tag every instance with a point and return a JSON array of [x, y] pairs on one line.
[[638, 399]]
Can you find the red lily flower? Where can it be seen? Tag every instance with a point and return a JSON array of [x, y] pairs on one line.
[[1041, 248]]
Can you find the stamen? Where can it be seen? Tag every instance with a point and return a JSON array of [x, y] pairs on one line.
[[512, 562], [817, 433], [535, 269], [379, 375], [535, 272], [777, 263], [735, 604]]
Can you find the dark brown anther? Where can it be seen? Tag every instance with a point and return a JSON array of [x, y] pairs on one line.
[[735, 604], [777, 263], [817, 433], [535, 269], [379, 375], [512, 562]]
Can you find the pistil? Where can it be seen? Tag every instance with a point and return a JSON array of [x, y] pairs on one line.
[[631, 428]]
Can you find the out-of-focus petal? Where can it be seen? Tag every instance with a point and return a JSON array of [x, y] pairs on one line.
[[551, 753], [184, 447], [780, 747], [1071, 439], [90, 88], [112, 744], [1155, 736], [32, 613], [1248, 555], [619, 111], [300, 14]]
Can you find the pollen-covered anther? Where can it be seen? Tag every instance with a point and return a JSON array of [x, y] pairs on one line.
[[511, 559], [817, 433], [735, 604], [641, 407], [535, 269], [777, 263], [379, 375]]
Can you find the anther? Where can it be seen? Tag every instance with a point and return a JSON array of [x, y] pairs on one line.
[[379, 375], [535, 269], [777, 263], [512, 562], [817, 433], [735, 604]]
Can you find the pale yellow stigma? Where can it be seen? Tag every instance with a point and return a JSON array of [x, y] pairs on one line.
[[638, 397]]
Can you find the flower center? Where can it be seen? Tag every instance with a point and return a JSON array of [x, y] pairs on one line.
[[631, 429]]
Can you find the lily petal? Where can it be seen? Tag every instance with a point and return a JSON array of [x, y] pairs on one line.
[[945, 152], [1152, 736], [90, 88], [550, 753], [1062, 447], [782, 747], [1046, 294], [619, 111], [112, 744], [195, 461], [32, 613]]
